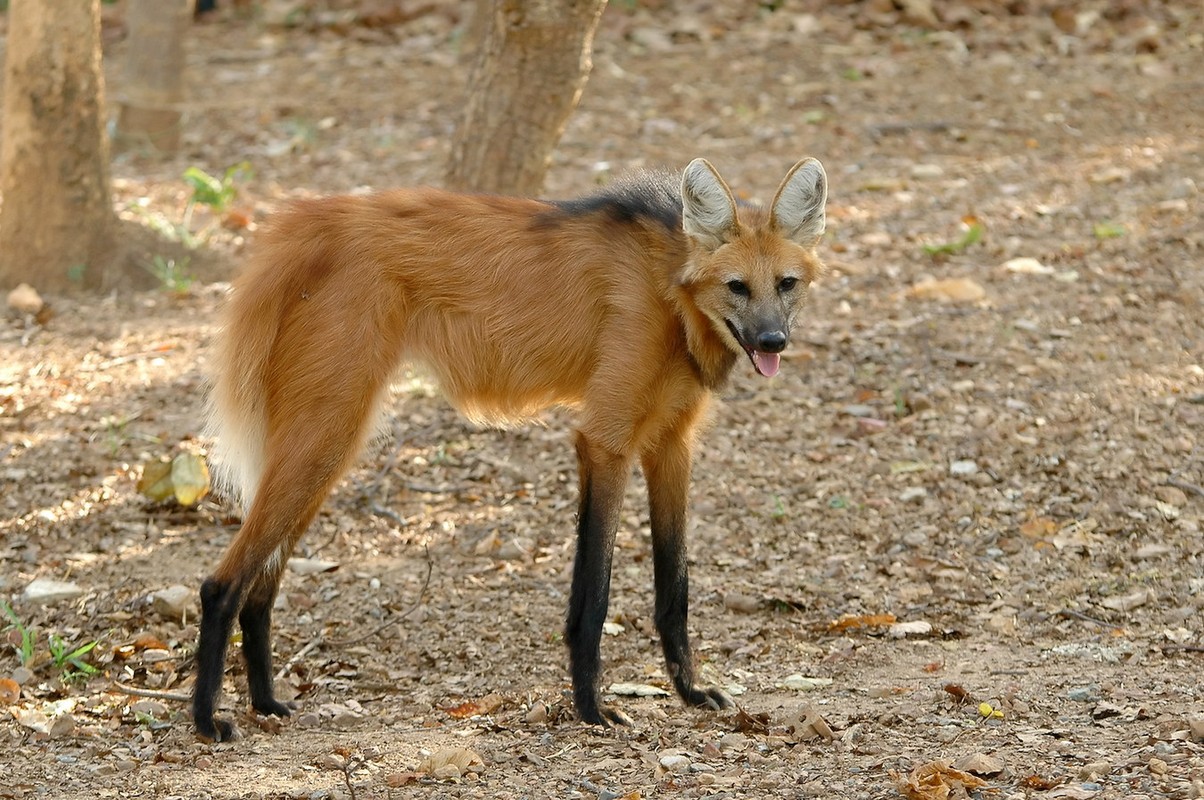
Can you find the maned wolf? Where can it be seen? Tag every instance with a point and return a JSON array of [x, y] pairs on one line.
[[630, 306]]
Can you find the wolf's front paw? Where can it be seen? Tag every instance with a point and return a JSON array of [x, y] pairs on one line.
[[215, 730], [710, 697]]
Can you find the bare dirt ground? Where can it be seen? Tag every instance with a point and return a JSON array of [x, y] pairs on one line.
[[1005, 459]]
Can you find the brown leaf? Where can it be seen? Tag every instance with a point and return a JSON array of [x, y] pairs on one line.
[[1039, 783], [953, 290], [935, 781], [959, 693], [1038, 527], [751, 723], [807, 723], [851, 622], [398, 779], [979, 764], [475, 708], [10, 691], [459, 757]]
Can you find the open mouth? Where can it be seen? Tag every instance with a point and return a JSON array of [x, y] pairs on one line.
[[766, 364]]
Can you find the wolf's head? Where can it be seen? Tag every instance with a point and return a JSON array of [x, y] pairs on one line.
[[749, 268]]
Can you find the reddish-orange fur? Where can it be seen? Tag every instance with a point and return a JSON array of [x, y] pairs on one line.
[[513, 305]]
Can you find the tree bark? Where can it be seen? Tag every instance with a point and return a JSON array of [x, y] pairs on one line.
[[153, 88], [528, 77], [57, 225]]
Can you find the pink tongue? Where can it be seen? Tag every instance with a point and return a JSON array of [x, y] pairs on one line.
[[766, 363]]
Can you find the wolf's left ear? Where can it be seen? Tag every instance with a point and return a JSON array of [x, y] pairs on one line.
[[798, 207], [708, 211]]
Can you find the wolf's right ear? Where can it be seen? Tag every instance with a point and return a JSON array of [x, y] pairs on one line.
[[708, 211]]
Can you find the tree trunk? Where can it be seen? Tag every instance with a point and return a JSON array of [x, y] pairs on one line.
[[153, 88], [528, 77], [57, 226]]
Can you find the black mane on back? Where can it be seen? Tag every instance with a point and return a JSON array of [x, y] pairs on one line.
[[648, 195]]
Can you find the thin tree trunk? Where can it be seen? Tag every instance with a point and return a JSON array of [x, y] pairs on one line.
[[153, 88], [528, 77], [57, 226]]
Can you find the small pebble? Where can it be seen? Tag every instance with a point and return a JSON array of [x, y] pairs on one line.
[[733, 741], [44, 590], [173, 602], [446, 772], [1084, 694], [538, 715], [676, 764]]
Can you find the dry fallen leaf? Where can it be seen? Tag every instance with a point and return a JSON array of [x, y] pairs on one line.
[[10, 691], [1039, 783], [958, 692], [807, 723], [155, 482], [953, 290], [1038, 527], [143, 642], [979, 764], [185, 478], [475, 708], [189, 478], [751, 723], [936, 780], [461, 758], [851, 622]]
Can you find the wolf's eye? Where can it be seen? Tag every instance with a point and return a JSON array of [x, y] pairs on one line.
[[738, 287], [787, 283]]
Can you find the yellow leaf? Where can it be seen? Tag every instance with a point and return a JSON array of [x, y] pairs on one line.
[[189, 478], [989, 711], [155, 482]]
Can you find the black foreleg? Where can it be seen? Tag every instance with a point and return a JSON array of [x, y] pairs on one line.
[[603, 479], [667, 470]]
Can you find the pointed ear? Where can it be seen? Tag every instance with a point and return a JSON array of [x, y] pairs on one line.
[[798, 207], [708, 211]]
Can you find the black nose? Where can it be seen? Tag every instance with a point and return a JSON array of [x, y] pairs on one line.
[[771, 341]]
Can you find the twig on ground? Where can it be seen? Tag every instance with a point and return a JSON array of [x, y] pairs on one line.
[[320, 640], [310, 646], [426, 582], [1185, 486], [1072, 614], [156, 694]]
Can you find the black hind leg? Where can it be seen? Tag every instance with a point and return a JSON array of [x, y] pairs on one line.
[[219, 604], [255, 619]]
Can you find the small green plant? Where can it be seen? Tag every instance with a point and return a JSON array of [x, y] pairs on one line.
[[972, 234], [208, 190], [25, 649], [172, 273], [779, 509], [1108, 230], [70, 662], [217, 193]]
